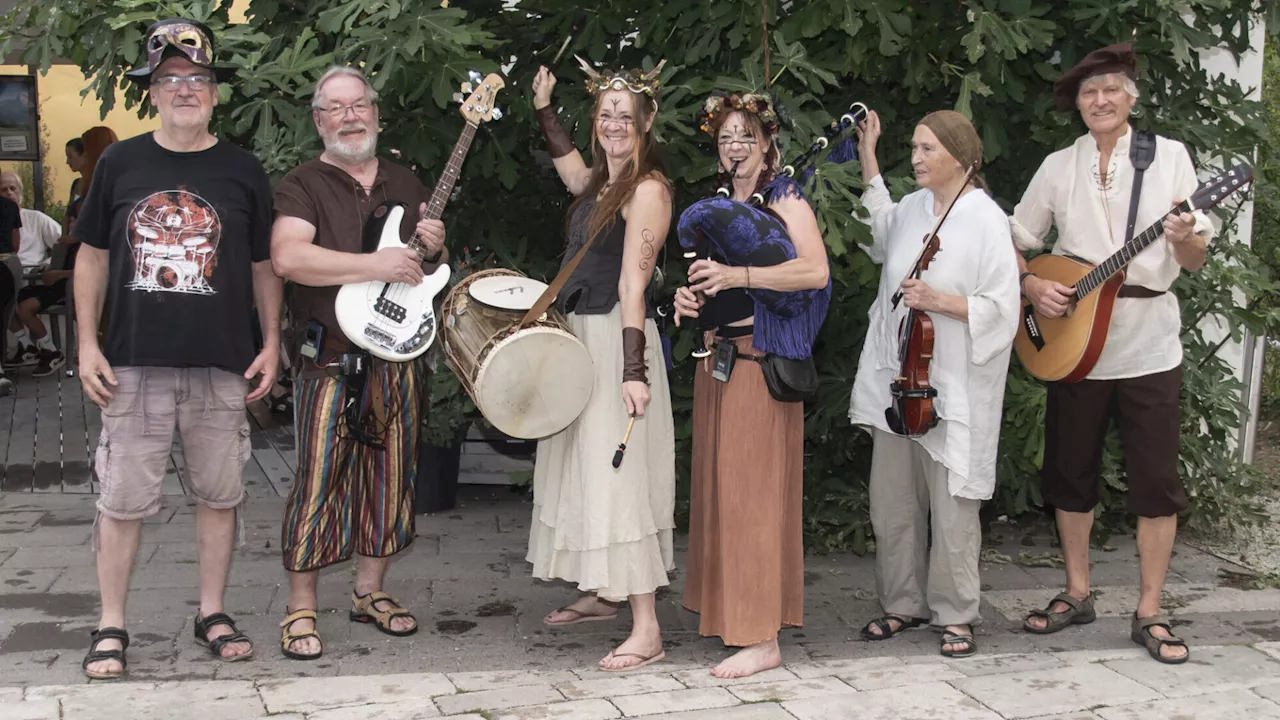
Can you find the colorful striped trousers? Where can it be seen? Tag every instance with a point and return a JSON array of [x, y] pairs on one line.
[[348, 496]]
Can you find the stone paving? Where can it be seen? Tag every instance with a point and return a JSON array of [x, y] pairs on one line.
[[484, 653]]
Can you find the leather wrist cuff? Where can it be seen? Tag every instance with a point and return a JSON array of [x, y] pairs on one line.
[[558, 142], [633, 367]]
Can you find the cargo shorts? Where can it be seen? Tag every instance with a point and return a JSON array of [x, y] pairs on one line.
[[207, 407]]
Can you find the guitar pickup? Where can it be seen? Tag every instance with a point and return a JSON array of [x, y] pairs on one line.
[[390, 310]]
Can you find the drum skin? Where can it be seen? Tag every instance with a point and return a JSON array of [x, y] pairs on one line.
[[529, 383]]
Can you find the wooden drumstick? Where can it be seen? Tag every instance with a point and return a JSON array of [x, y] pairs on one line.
[[622, 446]]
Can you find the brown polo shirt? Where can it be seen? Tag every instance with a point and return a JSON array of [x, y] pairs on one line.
[[333, 201]]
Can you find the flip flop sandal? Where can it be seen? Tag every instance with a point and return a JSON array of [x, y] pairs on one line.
[[579, 617], [887, 631], [365, 612], [288, 637], [216, 645], [1141, 634], [95, 655], [643, 660], [953, 638], [1078, 612]]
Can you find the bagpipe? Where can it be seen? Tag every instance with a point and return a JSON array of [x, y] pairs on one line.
[[747, 234]]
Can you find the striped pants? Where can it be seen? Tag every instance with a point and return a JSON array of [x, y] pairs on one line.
[[348, 496]]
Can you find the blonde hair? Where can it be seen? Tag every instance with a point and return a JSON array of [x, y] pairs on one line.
[[1126, 82]]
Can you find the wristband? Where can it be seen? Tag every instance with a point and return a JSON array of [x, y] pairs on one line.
[[558, 142], [633, 367], [1022, 279]]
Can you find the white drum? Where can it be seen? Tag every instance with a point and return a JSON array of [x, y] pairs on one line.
[[529, 383]]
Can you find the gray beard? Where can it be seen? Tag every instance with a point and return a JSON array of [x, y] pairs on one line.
[[352, 153]]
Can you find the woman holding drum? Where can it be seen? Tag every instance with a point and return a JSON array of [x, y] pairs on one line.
[[766, 295], [609, 530]]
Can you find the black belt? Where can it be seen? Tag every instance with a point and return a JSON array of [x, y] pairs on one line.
[[1137, 291]]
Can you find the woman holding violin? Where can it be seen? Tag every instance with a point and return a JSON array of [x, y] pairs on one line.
[[763, 291], [930, 383]]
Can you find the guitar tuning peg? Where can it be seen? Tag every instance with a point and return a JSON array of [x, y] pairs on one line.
[[466, 87], [474, 76], [497, 114], [457, 97]]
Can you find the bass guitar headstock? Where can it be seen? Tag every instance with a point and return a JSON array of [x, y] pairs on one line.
[[478, 107]]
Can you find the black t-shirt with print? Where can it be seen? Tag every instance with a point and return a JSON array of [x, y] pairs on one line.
[[182, 230]]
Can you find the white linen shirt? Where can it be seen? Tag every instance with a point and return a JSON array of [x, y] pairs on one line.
[[970, 360], [39, 234], [1145, 333]]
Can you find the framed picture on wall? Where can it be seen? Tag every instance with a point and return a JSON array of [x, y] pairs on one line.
[[19, 118]]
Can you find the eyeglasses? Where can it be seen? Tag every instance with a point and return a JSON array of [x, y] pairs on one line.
[[361, 107], [170, 83]]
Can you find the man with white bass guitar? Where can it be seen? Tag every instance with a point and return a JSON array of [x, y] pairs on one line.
[[1087, 190], [358, 417]]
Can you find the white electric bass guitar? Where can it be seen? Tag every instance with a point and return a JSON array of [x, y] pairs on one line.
[[397, 321]]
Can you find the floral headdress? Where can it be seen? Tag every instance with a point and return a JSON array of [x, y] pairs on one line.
[[633, 80], [757, 103]]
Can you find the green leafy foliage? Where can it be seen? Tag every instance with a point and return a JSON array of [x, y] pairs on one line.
[[993, 60]]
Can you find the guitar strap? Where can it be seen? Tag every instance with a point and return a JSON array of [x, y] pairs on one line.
[[1141, 153]]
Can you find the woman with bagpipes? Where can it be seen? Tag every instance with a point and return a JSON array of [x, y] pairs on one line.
[[761, 288], [930, 381]]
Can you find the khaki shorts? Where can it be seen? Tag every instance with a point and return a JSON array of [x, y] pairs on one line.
[[207, 407]]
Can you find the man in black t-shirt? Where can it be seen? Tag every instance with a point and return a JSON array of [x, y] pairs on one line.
[[175, 232]]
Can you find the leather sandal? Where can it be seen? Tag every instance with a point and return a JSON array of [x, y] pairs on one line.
[[287, 636], [1078, 612], [366, 612], [886, 630], [950, 637], [95, 655], [1141, 634], [216, 645]]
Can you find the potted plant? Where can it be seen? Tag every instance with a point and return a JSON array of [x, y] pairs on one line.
[[444, 430]]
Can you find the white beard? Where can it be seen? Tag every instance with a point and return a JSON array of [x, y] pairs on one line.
[[351, 152]]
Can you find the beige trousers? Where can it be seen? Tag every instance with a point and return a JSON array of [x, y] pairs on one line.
[[909, 495]]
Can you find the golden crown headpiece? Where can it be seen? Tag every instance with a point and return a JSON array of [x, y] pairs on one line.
[[633, 80]]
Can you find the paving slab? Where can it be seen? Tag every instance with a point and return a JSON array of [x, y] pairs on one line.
[[156, 701], [1061, 690], [761, 711], [495, 680], [703, 678], [1208, 670], [829, 668], [929, 701], [33, 710], [419, 709], [675, 701], [790, 689], [311, 694], [569, 710], [908, 674], [1000, 664], [1230, 705], [1270, 648], [489, 700], [1270, 691]]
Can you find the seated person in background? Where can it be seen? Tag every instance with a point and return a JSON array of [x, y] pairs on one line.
[[28, 334], [10, 242], [39, 232]]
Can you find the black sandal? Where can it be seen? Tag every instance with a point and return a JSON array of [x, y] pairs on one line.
[[203, 626], [95, 655], [1141, 634], [954, 638], [887, 631]]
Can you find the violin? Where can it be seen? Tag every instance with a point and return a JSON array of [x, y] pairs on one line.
[[911, 412]]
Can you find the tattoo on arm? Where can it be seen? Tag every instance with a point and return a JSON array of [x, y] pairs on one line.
[[647, 250]]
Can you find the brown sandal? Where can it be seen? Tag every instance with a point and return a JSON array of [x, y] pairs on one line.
[[1140, 633], [1078, 612], [287, 637], [366, 612]]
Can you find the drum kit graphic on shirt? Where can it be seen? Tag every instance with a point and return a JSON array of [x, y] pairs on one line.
[[174, 236]]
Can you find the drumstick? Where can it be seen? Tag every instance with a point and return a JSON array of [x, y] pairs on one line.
[[622, 446]]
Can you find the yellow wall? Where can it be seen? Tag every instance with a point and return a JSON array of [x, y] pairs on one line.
[[64, 115]]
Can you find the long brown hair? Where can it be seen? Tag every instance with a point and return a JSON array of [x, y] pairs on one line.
[[645, 163], [755, 126], [95, 139]]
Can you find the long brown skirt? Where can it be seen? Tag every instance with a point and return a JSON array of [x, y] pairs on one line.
[[746, 540]]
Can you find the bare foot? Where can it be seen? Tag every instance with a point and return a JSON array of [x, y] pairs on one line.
[[750, 660], [306, 645], [1168, 652], [106, 667], [588, 606], [646, 644], [1058, 606], [230, 650]]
